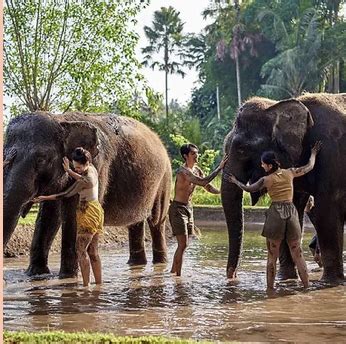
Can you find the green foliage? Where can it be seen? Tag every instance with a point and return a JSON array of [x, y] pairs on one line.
[[61, 56], [206, 159], [296, 68], [84, 337], [29, 219], [284, 47], [203, 197]]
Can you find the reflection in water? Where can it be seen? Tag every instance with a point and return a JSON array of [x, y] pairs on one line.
[[200, 304]]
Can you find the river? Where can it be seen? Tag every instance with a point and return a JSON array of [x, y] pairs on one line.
[[202, 304]]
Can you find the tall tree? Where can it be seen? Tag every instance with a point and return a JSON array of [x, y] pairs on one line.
[[165, 35], [296, 67], [62, 55], [330, 13]]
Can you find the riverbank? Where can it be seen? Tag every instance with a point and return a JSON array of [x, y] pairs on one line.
[[205, 217]]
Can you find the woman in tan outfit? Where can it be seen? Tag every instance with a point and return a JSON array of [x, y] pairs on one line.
[[282, 222]]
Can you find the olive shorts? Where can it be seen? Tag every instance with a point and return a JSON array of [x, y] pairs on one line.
[[181, 218], [282, 222]]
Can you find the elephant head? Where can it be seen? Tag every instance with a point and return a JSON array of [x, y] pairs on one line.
[[260, 125], [34, 147]]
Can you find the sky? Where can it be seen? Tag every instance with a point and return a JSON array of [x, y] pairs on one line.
[[191, 15]]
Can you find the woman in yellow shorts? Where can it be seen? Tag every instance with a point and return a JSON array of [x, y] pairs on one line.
[[282, 222], [89, 212]]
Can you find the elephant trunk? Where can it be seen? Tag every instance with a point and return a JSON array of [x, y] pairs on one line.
[[232, 197], [17, 193]]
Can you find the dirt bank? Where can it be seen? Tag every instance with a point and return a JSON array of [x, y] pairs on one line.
[[22, 237], [205, 217]]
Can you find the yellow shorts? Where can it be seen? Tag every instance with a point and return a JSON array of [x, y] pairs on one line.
[[90, 217]]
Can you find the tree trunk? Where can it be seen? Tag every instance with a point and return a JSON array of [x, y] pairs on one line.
[[333, 84], [238, 79], [166, 93], [166, 78]]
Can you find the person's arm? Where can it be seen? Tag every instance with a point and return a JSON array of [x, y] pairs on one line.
[[66, 166], [259, 185], [212, 189], [300, 171], [71, 191], [205, 180]]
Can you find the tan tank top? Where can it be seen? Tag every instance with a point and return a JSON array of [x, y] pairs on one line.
[[87, 186], [282, 186]]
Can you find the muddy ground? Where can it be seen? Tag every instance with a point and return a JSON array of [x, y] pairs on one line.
[[112, 237]]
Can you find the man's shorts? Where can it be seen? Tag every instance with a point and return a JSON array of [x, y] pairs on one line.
[[181, 218], [282, 222]]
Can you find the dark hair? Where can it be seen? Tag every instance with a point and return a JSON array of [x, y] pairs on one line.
[[186, 148], [270, 158], [81, 156]]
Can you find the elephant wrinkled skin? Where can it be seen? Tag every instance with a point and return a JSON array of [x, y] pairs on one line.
[[134, 174], [290, 128]]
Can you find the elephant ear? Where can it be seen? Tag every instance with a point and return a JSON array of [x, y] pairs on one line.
[[292, 119], [80, 134]]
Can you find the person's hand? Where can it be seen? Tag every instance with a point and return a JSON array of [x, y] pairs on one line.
[[43, 198], [316, 148], [39, 199], [66, 163], [232, 178], [223, 161]]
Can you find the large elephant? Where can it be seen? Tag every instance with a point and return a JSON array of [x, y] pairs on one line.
[[290, 127], [134, 172]]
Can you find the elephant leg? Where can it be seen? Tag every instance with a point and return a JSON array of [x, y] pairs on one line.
[[158, 241], [69, 262], [157, 223], [136, 243], [47, 224], [287, 268], [330, 230]]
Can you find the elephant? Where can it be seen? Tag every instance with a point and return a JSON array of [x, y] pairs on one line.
[[135, 179], [290, 128]]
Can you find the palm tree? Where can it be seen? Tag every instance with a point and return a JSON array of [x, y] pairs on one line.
[[242, 40], [296, 68], [165, 35]]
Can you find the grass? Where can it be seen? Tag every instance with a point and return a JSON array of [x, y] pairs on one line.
[[85, 337], [29, 219]]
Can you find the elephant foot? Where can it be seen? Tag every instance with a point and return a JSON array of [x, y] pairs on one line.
[[68, 274], [332, 278], [137, 258], [34, 270], [231, 273], [159, 257], [287, 273]]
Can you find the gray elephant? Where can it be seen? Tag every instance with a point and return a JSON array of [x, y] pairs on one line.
[[289, 128], [134, 181]]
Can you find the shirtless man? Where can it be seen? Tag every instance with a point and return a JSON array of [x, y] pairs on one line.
[[180, 212]]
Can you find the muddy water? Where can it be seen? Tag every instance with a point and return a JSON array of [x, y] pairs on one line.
[[201, 305]]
